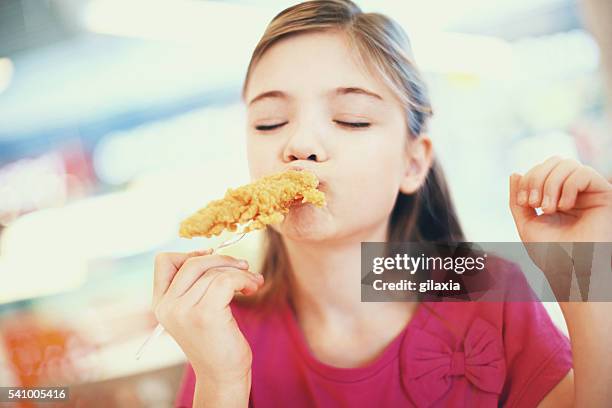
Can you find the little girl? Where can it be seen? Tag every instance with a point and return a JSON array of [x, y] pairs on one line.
[[335, 91]]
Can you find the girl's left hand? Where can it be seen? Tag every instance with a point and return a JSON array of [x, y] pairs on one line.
[[575, 199]]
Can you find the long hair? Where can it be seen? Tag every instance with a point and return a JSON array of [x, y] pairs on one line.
[[428, 215]]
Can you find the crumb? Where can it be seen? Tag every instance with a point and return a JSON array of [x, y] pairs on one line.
[[262, 202]]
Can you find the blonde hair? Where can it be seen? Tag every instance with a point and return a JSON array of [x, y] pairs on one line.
[[383, 46]]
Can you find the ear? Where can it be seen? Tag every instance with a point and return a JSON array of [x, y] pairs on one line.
[[419, 155]]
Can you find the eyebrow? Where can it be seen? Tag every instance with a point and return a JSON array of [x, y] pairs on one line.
[[358, 91], [268, 94], [337, 92]]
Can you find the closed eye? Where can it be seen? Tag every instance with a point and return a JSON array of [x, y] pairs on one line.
[[264, 128], [353, 124]]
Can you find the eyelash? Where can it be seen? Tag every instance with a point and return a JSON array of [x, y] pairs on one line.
[[354, 125], [265, 128]]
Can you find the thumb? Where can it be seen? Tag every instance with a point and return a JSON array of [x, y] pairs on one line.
[[519, 213]]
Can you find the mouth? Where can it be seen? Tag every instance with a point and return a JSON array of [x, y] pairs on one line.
[[322, 186]]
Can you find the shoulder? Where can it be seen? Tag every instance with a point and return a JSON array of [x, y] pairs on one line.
[[536, 355], [510, 307]]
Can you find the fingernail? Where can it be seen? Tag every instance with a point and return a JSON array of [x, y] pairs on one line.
[[545, 201], [258, 276], [533, 196], [243, 263], [522, 197]]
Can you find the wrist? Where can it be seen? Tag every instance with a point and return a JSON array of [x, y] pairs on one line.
[[222, 393], [590, 328]]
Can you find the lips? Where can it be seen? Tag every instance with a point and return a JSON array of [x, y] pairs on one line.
[[322, 186]]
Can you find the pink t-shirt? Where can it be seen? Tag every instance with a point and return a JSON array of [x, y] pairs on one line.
[[450, 354]]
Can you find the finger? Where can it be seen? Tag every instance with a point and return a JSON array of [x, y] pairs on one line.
[[195, 267], [222, 289], [519, 212], [531, 183], [587, 181], [590, 200], [554, 182], [165, 267], [199, 288]]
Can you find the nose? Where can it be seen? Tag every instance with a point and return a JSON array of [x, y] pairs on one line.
[[312, 157], [304, 145]]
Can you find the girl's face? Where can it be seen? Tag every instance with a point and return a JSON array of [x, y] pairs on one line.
[[312, 105]]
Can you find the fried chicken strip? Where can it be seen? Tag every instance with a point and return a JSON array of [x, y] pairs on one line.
[[262, 202]]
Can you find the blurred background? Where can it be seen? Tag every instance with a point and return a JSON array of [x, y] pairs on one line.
[[119, 118]]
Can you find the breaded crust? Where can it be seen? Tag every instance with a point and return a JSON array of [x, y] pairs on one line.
[[263, 202]]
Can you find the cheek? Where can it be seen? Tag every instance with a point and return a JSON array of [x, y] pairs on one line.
[[372, 174], [260, 156], [376, 159], [373, 192]]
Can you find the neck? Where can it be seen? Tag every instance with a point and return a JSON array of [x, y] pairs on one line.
[[327, 278]]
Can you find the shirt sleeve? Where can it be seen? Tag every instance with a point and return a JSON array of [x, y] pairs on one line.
[[538, 355], [184, 398]]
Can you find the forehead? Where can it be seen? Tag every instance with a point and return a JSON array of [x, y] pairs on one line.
[[313, 62]]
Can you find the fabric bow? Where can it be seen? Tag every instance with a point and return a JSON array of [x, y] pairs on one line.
[[429, 364]]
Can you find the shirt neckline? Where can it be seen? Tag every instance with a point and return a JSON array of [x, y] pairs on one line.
[[353, 374]]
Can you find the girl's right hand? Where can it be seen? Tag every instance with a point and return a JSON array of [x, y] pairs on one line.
[[191, 297]]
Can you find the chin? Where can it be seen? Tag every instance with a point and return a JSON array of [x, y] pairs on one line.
[[305, 223]]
